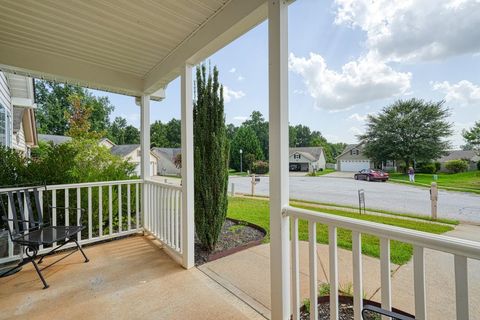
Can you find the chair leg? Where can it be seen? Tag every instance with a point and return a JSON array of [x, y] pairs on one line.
[[45, 285], [80, 248]]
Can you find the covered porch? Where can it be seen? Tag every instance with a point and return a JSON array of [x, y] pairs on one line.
[[137, 49]]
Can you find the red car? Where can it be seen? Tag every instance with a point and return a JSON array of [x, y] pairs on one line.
[[371, 175]]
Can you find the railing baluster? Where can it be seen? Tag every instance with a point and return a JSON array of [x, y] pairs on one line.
[[156, 211], [461, 287], [357, 275], [163, 215], [67, 212], [54, 210], [79, 206], [167, 213], [137, 202], [110, 210], [177, 220], [312, 239], [100, 211], [295, 270], [129, 218], [119, 208], [90, 224], [385, 279], [333, 270], [419, 283], [180, 205]]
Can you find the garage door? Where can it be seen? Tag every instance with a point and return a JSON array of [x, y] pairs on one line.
[[354, 165]]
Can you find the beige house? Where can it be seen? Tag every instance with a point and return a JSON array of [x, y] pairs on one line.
[[352, 159], [166, 161], [132, 153], [307, 159], [17, 115], [470, 156]]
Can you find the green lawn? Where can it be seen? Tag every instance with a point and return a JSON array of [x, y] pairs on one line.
[[257, 212], [465, 181], [326, 171], [233, 172]]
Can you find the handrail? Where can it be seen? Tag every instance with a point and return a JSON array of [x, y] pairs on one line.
[[79, 185], [466, 248], [166, 185]]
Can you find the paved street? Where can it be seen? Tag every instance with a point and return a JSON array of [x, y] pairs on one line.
[[378, 195]]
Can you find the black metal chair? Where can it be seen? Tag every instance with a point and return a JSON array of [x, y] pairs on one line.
[[32, 231], [370, 310]]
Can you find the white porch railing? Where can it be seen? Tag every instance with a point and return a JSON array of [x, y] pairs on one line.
[[163, 215], [461, 249], [112, 209]]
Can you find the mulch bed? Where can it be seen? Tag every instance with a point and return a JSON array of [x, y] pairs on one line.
[[345, 309], [235, 236]]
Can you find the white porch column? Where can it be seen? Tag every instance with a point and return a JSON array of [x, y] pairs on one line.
[[144, 148], [187, 168], [145, 136], [278, 139]]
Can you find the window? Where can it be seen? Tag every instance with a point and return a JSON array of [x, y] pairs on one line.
[[296, 156], [5, 127]]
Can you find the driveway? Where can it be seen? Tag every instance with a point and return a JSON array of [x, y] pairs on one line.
[[378, 195]]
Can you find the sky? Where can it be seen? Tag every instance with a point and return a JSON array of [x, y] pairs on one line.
[[348, 59]]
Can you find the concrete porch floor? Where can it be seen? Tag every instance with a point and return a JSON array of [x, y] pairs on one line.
[[130, 278]]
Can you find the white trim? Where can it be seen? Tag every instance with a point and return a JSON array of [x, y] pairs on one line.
[[279, 164], [188, 233]]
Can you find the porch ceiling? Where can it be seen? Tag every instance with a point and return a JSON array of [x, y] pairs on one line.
[[126, 47]]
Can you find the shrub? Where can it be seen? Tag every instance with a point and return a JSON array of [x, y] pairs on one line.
[[438, 166], [211, 158], [456, 166], [13, 167], [478, 165], [426, 167], [260, 167]]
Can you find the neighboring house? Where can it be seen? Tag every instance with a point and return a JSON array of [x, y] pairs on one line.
[[306, 159], [352, 159], [17, 115], [106, 143], [166, 161], [468, 155], [53, 139], [131, 153]]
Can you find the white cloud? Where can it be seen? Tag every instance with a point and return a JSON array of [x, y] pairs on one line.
[[358, 117], [359, 81], [463, 93], [355, 130], [233, 70], [408, 30], [229, 94], [240, 78]]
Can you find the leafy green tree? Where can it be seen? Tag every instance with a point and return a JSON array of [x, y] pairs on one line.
[[246, 140], [116, 132], [472, 137], [132, 135], [53, 100], [258, 124], [79, 124], [211, 158], [408, 130], [173, 133], [158, 135]]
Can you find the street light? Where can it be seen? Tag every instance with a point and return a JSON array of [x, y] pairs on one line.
[[241, 169]]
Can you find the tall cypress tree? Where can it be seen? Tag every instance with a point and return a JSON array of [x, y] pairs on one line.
[[211, 158]]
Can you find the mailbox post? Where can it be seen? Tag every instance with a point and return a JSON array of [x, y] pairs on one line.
[[434, 199], [254, 181]]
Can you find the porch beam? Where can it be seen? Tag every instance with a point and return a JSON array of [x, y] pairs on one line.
[[278, 141], [187, 235], [42, 65]]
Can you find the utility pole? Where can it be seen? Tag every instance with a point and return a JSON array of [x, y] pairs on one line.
[[241, 167]]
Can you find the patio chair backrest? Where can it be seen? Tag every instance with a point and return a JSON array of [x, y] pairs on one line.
[[21, 210]]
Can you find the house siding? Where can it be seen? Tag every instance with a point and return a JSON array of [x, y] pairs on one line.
[[6, 101]]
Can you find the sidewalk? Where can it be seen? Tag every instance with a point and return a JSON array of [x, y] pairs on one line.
[[247, 275]]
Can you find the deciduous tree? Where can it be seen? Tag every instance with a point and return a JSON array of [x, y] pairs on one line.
[[409, 130]]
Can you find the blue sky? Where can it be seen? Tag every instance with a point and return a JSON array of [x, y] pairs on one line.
[[350, 58]]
